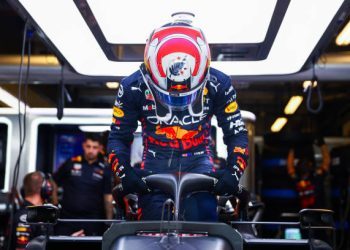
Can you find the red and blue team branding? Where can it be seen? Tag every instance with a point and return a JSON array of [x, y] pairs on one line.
[[183, 144], [176, 132]]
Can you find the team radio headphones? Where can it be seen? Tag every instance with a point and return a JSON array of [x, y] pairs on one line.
[[46, 189]]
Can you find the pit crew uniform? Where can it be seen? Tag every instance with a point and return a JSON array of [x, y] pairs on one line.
[[180, 144], [22, 231], [83, 185]]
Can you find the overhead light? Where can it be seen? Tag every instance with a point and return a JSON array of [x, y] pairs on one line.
[[11, 100], [235, 12], [293, 104], [94, 128], [287, 55], [112, 85], [307, 84], [35, 60], [278, 124], [343, 39]]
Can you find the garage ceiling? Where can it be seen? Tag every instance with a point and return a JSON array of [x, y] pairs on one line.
[[251, 37], [266, 95]]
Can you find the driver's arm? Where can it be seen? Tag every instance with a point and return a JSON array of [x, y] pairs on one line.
[[124, 124], [230, 120]]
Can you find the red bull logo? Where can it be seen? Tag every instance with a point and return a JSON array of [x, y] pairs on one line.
[[176, 132], [179, 87], [185, 144]]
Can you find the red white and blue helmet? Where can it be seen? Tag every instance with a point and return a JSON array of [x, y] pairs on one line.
[[177, 59]]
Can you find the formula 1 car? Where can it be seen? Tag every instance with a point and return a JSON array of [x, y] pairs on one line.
[[176, 234]]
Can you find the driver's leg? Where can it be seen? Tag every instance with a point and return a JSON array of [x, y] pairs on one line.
[[199, 206], [151, 206]]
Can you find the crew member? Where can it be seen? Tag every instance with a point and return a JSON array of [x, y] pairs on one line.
[[36, 189], [87, 189], [308, 177], [174, 94]]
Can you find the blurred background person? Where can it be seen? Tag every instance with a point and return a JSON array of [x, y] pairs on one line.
[[87, 189], [308, 177], [37, 189]]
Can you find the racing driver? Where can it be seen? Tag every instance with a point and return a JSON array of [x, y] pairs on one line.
[[174, 95]]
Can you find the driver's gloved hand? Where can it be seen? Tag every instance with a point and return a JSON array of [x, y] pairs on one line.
[[128, 181], [228, 180]]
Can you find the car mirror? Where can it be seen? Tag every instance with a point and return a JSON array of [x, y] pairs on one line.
[[42, 214], [316, 218]]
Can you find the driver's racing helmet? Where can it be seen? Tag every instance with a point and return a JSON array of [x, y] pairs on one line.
[[176, 65]]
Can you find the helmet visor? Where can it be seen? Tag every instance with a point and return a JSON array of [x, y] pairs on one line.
[[177, 101]]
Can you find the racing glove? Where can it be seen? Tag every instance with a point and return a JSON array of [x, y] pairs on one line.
[[228, 181], [228, 178], [128, 181]]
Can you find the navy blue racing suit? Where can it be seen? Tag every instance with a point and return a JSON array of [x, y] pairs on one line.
[[180, 144]]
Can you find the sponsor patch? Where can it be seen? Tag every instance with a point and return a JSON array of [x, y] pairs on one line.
[[236, 124], [185, 120], [115, 121], [205, 91], [215, 86], [231, 117], [231, 108], [117, 112], [98, 173], [229, 90], [118, 104], [176, 132], [77, 166], [77, 158], [239, 150], [75, 172], [239, 130], [138, 88], [148, 107], [185, 144], [23, 218], [148, 95], [231, 99], [120, 91]]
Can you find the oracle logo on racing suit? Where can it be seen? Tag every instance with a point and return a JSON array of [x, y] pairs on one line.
[[185, 120]]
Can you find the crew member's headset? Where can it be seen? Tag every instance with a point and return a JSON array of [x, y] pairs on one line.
[[46, 187]]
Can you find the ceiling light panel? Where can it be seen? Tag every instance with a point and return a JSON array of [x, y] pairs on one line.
[[132, 21], [302, 27]]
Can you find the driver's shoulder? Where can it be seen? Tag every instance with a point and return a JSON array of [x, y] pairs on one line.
[[218, 82], [133, 80], [219, 76]]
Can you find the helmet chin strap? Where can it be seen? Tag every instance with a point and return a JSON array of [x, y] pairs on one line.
[[165, 118], [201, 102], [169, 114]]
